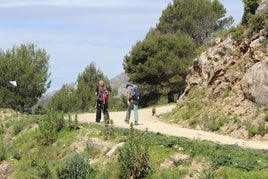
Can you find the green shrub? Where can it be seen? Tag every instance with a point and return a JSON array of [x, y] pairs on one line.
[[49, 127], [258, 21], [238, 33], [235, 118], [16, 155], [73, 124], [47, 135], [193, 121], [40, 167], [262, 128], [265, 42], [207, 174], [234, 156], [56, 120], [266, 116], [227, 91], [214, 125], [170, 142], [252, 130], [2, 128], [75, 166], [2, 149], [43, 170], [18, 126], [133, 158]]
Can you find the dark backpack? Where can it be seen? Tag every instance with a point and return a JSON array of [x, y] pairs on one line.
[[103, 94], [135, 92]]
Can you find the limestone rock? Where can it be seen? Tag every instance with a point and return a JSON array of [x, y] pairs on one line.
[[254, 84], [262, 6]]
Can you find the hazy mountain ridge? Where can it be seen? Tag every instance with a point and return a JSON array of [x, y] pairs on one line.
[[119, 82]]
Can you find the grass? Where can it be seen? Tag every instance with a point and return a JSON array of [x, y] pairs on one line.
[[230, 173], [30, 159]]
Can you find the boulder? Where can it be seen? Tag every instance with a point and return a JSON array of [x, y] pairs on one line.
[[262, 6], [254, 84]]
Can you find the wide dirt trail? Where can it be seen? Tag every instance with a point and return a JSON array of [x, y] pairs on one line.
[[152, 124]]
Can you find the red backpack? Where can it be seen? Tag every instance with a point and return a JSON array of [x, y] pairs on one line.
[[103, 94]]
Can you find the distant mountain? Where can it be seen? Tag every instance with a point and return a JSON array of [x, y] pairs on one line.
[[119, 82], [48, 95]]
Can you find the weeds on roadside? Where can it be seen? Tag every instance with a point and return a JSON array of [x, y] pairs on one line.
[[108, 124], [73, 124], [49, 127], [133, 158], [2, 149], [75, 166]]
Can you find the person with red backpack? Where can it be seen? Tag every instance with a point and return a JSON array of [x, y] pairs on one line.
[[102, 94]]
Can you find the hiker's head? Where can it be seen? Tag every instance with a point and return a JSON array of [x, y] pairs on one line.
[[101, 82], [130, 81]]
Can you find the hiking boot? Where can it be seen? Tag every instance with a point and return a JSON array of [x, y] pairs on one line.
[[126, 121]]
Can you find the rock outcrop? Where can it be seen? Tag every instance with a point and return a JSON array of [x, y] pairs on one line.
[[211, 67], [262, 6], [228, 82], [226, 64], [255, 83]]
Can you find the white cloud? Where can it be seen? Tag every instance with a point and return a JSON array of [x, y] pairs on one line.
[[82, 3]]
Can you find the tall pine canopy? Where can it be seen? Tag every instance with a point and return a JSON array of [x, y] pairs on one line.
[[250, 7], [198, 18], [159, 64], [28, 66]]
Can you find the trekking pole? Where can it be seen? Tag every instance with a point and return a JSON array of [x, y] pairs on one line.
[[104, 117], [15, 101], [13, 86]]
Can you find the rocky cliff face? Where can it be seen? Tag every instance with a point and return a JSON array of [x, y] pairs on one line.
[[227, 64], [262, 6], [234, 78]]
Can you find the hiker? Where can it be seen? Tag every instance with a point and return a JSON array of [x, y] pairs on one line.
[[102, 94], [132, 101]]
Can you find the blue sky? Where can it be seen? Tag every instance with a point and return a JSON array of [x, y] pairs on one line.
[[77, 32]]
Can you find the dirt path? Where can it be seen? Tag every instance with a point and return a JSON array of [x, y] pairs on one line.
[[152, 124]]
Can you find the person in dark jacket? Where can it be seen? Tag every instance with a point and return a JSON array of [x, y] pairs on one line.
[[102, 94]]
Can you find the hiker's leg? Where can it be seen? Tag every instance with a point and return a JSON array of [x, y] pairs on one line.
[[105, 111], [98, 112], [135, 109], [128, 113]]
